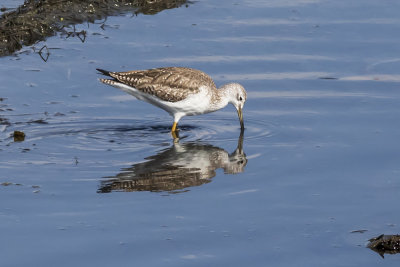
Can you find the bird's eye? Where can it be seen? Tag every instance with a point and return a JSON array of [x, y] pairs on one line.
[[240, 98]]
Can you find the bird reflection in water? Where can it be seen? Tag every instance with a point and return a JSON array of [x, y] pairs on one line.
[[177, 168]]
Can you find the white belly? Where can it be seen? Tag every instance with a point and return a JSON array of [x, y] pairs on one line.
[[193, 105]]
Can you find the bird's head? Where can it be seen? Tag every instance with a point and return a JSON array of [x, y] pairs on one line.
[[238, 97]]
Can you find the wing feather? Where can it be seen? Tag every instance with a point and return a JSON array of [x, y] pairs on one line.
[[169, 84]]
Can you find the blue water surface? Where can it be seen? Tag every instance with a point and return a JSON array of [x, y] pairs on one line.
[[318, 166]]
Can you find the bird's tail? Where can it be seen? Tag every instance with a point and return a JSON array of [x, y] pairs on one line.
[[104, 72]]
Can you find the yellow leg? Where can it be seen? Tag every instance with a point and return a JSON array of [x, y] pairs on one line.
[[175, 136], [174, 132], [174, 127]]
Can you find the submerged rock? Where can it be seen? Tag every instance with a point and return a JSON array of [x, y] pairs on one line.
[[18, 136], [385, 244]]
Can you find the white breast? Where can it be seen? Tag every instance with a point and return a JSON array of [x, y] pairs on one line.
[[193, 105]]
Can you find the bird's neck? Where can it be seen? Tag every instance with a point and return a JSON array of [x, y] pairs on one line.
[[220, 97]]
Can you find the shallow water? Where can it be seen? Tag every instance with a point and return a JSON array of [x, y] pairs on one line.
[[98, 180]]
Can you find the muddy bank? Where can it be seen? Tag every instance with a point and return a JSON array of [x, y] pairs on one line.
[[36, 20]]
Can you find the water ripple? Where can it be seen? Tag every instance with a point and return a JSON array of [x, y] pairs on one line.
[[133, 135]]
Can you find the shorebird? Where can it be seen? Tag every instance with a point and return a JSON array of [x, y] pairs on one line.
[[179, 91]]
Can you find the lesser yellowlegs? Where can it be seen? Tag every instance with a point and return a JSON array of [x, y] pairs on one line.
[[179, 91]]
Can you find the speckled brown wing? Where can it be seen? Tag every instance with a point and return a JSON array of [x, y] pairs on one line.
[[169, 84]]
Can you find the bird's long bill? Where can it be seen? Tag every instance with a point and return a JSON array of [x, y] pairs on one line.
[[240, 115]]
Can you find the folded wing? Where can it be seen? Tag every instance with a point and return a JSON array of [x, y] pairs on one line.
[[169, 84]]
